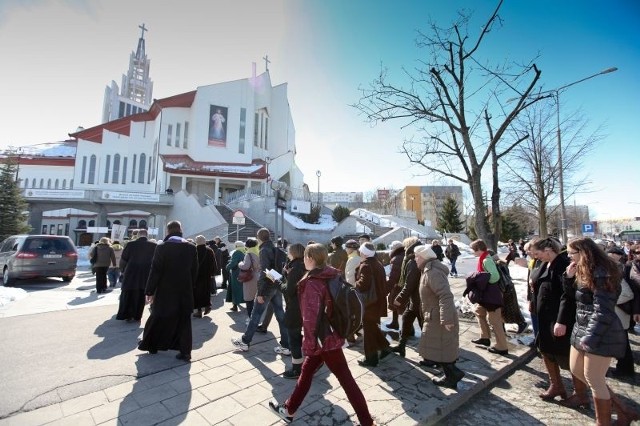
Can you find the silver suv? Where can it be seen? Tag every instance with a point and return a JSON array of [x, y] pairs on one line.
[[33, 256]]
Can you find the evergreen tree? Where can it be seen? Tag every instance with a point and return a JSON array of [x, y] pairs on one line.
[[340, 213], [12, 205], [449, 218]]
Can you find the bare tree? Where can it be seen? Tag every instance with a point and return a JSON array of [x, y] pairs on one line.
[[450, 99], [532, 168]]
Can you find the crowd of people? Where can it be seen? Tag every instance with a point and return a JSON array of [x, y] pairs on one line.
[[583, 300]]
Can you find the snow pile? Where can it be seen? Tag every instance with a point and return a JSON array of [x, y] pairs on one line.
[[10, 294]]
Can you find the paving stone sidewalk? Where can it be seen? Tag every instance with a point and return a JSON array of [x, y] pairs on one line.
[[233, 388]]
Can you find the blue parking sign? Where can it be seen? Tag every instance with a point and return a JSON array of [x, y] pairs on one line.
[[587, 227]]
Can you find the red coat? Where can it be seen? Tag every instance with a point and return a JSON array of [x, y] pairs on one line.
[[314, 296]]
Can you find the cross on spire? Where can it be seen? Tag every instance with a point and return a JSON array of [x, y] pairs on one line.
[[266, 62], [142, 27]]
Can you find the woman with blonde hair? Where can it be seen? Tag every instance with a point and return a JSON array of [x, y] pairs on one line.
[[593, 279]]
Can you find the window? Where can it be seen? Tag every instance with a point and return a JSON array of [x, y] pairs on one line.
[[71, 184], [124, 170], [255, 129], [82, 224], [33, 183], [133, 223], [64, 183], [56, 184], [185, 143], [143, 161], [106, 169], [143, 224], [243, 126], [84, 168], [266, 132], [92, 170], [149, 174], [133, 172], [44, 229], [41, 183], [92, 222], [59, 229], [128, 110], [121, 110], [116, 169], [52, 229], [178, 135], [66, 229], [49, 184], [169, 132], [117, 222]]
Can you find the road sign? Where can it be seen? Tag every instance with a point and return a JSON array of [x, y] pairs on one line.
[[588, 229], [238, 217]]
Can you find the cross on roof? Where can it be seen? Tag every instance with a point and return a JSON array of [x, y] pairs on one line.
[[142, 27], [266, 62]]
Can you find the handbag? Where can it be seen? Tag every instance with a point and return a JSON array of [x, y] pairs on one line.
[[370, 297], [245, 275]]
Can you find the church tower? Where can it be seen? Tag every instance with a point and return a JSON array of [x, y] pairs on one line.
[[137, 87]]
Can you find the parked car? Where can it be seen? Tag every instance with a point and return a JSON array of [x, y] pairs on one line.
[[34, 256]]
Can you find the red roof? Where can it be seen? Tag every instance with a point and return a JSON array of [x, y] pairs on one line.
[[183, 164], [123, 125]]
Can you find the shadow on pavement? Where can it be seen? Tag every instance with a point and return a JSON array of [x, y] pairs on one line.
[[119, 337]]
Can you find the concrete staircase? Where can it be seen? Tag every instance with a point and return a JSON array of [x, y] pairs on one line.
[[249, 229]]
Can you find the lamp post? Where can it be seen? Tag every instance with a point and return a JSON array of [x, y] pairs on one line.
[[556, 95], [412, 198], [318, 174]]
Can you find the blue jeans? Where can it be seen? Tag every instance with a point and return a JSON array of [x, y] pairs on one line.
[[274, 297], [113, 274], [453, 266]]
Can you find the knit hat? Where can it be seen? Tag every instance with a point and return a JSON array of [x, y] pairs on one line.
[[424, 252], [239, 244], [394, 245], [201, 240], [368, 250]]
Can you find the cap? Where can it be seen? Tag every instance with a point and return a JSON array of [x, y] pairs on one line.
[[352, 244], [394, 245], [424, 252]]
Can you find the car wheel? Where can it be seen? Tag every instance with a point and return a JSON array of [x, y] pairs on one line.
[[67, 279], [7, 281]]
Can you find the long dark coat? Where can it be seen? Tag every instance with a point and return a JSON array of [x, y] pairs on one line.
[[206, 270], [173, 272], [294, 273], [135, 264], [371, 272], [409, 295], [393, 287], [552, 308]]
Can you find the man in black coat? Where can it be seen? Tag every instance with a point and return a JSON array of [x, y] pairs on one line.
[[170, 290], [135, 264]]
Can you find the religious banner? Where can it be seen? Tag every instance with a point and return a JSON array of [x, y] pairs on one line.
[[118, 232], [218, 126]]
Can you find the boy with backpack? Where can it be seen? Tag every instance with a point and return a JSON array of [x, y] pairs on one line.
[[321, 342]]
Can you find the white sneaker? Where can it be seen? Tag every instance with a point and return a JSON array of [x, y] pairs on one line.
[[282, 351], [239, 344]]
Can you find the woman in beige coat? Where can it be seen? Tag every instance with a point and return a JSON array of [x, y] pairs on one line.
[[440, 340], [251, 261]]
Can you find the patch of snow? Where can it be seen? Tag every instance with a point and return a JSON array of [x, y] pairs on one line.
[[11, 294]]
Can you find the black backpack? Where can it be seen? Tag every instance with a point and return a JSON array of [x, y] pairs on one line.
[[348, 309], [505, 283]]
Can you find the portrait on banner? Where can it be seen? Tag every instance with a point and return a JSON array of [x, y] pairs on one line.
[[217, 125]]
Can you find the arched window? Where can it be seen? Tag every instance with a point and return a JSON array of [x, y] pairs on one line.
[[82, 224], [143, 160], [142, 224], [108, 224], [117, 222], [33, 182], [106, 169], [64, 183], [133, 223], [49, 184], [41, 183], [92, 170], [57, 183], [25, 184], [71, 184], [92, 222], [116, 168]]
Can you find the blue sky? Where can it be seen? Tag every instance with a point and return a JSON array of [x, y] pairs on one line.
[[59, 55]]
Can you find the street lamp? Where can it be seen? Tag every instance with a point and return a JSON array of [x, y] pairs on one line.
[[318, 174], [412, 198], [556, 94]]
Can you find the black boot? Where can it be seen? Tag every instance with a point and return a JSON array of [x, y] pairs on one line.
[[294, 373], [394, 322], [400, 348], [452, 375]]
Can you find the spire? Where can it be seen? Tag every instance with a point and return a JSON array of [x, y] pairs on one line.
[[140, 52]]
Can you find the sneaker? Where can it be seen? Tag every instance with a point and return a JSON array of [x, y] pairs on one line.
[[281, 411], [282, 350], [239, 344]]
